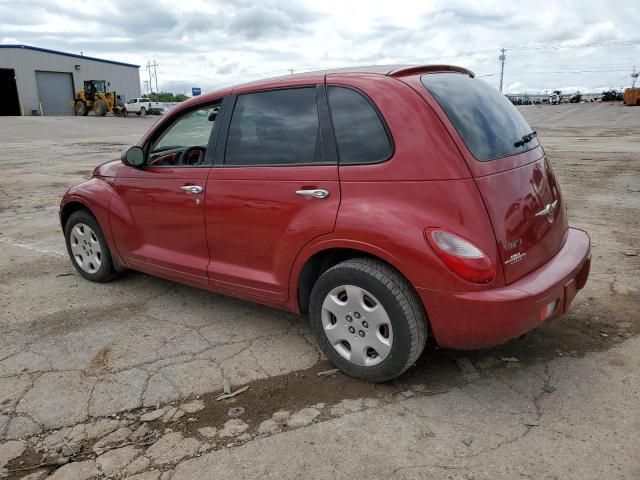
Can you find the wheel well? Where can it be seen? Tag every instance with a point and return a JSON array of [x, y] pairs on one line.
[[320, 263], [68, 209]]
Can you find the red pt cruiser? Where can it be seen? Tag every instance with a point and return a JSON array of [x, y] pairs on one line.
[[387, 202]]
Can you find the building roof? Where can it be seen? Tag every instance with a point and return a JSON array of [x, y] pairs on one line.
[[74, 55]]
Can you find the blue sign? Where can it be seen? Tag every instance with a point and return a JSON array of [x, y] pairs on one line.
[[195, 91]]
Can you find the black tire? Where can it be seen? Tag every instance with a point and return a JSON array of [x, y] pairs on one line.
[[107, 271], [143, 112], [100, 108], [81, 109], [400, 301]]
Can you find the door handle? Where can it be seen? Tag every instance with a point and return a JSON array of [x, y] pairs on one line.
[[315, 192], [192, 188]]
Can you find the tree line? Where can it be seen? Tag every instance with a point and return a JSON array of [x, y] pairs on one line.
[[167, 97]]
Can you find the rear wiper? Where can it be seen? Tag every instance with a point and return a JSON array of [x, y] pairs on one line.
[[525, 139]]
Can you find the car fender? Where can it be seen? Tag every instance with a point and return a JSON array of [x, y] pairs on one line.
[[391, 226], [96, 194], [325, 243]]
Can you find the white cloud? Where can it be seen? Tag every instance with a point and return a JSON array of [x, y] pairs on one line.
[[215, 43]]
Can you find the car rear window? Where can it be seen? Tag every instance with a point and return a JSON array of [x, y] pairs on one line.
[[490, 126], [360, 133]]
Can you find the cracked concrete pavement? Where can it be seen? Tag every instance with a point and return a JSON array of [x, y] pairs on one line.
[[508, 426], [84, 365]]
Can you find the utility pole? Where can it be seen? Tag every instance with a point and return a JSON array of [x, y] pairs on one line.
[[149, 73], [290, 71], [153, 74], [501, 58]]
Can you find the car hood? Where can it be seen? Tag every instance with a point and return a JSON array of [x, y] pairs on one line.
[[107, 169]]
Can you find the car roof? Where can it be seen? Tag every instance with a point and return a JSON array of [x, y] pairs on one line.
[[318, 76]]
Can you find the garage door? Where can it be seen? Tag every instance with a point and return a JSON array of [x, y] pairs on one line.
[[55, 90]]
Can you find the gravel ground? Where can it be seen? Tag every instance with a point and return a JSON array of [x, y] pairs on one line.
[[121, 379]]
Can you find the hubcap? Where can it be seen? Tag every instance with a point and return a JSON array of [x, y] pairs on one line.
[[357, 325], [85, 248]]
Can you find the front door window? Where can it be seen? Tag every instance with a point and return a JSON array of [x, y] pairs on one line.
[[184, 143]]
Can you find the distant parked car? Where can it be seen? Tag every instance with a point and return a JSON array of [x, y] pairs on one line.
[[142, 106], [387, 202], [166, 106], [612, 96]]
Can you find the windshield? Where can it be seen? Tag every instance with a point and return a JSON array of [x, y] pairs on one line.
[[490, 126]]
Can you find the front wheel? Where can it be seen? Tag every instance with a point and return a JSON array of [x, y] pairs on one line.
[[143, 111], [87, 248], [81, 109], [367, 319]]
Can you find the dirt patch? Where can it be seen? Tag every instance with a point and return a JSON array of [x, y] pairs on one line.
[[99, 364]]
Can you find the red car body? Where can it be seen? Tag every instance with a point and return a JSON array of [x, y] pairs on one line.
[[248, 235]]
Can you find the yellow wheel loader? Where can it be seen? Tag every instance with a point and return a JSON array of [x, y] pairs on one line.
[[96, 97]]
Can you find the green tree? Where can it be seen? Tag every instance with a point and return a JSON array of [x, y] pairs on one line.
[[167, 97]]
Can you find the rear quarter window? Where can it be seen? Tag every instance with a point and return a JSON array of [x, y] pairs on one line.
[[485, 119], [360, 134]]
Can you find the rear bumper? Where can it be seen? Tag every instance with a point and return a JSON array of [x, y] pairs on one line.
[[467, 320]]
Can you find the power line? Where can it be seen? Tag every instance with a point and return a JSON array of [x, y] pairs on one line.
[[558, 46], [579, 71], [577, 45]]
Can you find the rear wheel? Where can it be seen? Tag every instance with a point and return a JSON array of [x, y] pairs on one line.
[[81, 109], [87, 248], [143, 111], [100, 108], [367, 319]]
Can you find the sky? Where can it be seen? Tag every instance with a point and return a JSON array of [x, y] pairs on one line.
[[586, 45]]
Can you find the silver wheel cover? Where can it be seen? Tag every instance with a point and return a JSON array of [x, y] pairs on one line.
[[85, 248], [357, 325]]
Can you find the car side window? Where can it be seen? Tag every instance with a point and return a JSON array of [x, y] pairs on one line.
[[278, 127], [185, 141], [360, 132]]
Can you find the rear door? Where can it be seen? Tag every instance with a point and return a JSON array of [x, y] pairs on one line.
[[518, 186], [273, 188]]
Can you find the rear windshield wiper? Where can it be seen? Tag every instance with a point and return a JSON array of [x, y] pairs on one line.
[[525, 139]]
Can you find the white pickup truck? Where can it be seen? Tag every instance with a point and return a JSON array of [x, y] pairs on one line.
[[142, 106]]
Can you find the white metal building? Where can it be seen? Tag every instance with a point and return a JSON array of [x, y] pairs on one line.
[[36, 81]]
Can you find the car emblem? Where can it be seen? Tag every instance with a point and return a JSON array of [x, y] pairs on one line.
[[548, 209], [515, 258]]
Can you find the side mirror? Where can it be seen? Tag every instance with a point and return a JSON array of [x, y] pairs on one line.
[[132, 157]]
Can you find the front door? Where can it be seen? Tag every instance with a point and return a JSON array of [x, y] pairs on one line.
[[157, 214], [273, 188]]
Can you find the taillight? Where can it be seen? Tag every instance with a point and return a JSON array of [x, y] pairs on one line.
[[461, 256]]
